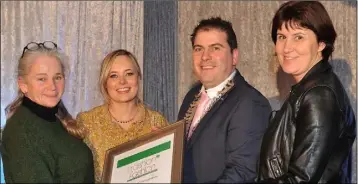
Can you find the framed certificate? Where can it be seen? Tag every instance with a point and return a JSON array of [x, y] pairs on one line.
[[152, 158]]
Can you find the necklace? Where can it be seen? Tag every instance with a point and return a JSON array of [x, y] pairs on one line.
[[123, 122]]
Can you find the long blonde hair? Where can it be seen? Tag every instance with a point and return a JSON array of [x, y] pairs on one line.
[[24, 65], [106, 67]]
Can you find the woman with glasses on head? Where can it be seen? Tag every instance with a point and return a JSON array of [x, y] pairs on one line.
[[41, 142], [310, 138], [123, 116]]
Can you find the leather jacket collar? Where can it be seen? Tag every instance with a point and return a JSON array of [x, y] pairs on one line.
[[320, 67]]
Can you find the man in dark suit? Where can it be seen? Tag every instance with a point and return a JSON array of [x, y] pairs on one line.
[[225, 116]]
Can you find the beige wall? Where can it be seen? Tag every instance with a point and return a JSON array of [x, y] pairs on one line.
[[251, 21]]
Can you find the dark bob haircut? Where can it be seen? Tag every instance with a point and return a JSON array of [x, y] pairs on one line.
[[310, 15]]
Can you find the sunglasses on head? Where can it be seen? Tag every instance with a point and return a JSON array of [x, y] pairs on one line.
[[32, 46]]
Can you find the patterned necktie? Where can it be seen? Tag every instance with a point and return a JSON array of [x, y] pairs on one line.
[[203, 102]]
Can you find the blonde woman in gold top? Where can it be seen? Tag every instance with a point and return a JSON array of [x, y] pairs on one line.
[[123, 117]]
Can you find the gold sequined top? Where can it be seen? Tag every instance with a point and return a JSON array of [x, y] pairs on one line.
[[102, 134]]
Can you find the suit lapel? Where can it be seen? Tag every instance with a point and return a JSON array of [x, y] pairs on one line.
[[206, 119], [204, 122]]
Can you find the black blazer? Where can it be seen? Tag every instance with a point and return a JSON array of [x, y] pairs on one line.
[[310, 138], [225, 145]]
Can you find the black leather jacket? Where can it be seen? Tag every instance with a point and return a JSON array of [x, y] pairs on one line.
[[311, 136]]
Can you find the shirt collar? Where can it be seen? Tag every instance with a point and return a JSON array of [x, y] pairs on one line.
[[213, 92]]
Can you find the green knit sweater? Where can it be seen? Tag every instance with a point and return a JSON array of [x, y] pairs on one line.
[[37, 149]]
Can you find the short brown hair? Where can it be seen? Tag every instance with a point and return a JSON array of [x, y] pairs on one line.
[[216, 23], [310, 15]]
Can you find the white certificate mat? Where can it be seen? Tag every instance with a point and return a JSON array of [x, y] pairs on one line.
[[149, 163], [156, 157]]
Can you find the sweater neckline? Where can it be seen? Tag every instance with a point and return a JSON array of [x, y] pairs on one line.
[[46, 113]]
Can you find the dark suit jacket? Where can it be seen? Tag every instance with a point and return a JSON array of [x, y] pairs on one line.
[[226, 143]]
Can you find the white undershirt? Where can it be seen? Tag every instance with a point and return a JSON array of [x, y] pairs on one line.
[[213, 93]]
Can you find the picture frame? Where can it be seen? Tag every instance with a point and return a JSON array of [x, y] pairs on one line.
[[152, 158]]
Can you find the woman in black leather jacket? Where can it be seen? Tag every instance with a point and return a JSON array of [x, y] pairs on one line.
[[311, 136]]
